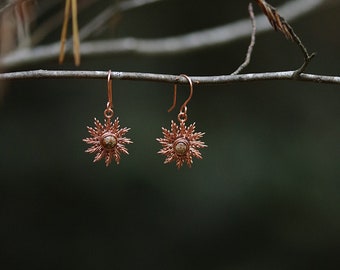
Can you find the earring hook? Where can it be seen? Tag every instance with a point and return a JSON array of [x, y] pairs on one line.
[[109, 88], [108, 113], [183, 107]]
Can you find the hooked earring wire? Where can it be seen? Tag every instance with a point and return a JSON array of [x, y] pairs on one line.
[[107, 139], [181, 143], [183, 109]]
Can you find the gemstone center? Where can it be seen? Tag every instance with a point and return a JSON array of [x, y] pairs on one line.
[[181, 146], [109, 141]]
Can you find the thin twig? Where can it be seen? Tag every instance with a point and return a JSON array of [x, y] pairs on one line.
[[252, 41], [64, 31], [168, 78], [70, 5], [75, 33]]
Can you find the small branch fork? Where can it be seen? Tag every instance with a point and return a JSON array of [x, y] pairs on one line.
[[280, 24]]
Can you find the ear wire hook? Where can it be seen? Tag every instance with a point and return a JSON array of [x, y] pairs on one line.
[[108, 113], [184, 106]]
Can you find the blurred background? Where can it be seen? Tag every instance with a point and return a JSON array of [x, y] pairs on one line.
[[265, 195]]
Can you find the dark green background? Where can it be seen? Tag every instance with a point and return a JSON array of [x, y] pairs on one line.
[[265, 195]]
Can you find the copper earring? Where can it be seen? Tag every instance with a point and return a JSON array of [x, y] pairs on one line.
[[107, 140], [181, 143]]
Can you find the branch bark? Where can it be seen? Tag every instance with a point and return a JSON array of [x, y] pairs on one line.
[[170, 45], [168, 78]]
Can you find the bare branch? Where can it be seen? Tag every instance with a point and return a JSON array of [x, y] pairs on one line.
[[252, 42], [171, 45], [168, 78]]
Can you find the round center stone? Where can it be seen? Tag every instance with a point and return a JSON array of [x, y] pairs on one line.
[[109, 141], [181, 146]]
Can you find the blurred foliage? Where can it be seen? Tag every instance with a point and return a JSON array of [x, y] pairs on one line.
[[265, 195]]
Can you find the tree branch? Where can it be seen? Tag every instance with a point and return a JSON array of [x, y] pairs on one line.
[[168, 78], [170, 45]]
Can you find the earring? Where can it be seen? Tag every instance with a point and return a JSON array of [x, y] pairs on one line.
[[181, 143], [107, 139]]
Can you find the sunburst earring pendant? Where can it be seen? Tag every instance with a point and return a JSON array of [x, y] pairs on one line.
[[181, 143], [107, 140]]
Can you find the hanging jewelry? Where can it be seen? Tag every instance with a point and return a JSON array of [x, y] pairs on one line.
[[107, 139], [181, 143]]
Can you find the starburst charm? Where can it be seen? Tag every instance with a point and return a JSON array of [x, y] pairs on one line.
[[181, 144], [107, 140]]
